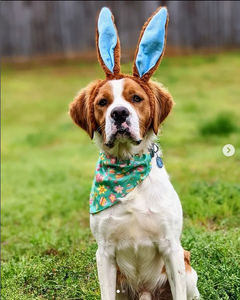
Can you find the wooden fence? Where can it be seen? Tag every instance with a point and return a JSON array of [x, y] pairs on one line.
[[30, 28]]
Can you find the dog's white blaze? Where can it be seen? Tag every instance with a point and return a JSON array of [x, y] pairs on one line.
[[118, 100]]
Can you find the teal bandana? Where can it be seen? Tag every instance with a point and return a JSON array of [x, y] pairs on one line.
[[114, 179]]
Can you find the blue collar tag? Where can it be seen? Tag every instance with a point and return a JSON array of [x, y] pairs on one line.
[[154, 150], [159, 162]]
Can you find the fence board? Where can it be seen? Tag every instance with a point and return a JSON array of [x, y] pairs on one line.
[[64, 27]]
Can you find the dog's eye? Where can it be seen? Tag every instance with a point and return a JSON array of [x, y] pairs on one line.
[[102, 102], [136, 98]]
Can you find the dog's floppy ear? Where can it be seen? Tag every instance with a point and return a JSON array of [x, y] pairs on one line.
[[151, 45], [80, 110], [163, 104], [107, 43]]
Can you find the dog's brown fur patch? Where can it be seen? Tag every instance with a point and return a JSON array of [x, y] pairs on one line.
[[105, 92], [163, 104], [79, 109], [142, 108]]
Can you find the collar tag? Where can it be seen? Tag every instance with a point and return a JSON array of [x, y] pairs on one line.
[[154, 150], [159, 162]]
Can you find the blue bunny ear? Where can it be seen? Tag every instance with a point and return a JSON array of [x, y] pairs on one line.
[[108, 44], [151, 45]]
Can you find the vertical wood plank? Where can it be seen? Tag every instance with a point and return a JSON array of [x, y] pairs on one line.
[[65, 27]]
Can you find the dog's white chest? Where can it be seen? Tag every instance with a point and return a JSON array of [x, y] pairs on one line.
[[133, 229], [144, 215]]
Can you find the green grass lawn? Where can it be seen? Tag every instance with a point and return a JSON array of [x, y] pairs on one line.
[[48, 163]]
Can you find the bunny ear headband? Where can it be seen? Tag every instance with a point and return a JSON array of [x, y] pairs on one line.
[[149, 51]]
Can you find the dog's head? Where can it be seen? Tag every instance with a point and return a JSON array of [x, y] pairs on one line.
[[123, 109]]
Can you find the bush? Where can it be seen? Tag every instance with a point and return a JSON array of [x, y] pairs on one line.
[[223, 124]]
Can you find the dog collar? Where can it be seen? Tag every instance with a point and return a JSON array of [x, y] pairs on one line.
[[114, 179]]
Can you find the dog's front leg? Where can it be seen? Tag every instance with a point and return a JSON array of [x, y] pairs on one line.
[[107, 273], [173, 257]]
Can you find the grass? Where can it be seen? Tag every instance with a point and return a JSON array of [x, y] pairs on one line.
[[48, 251], [223, 125]]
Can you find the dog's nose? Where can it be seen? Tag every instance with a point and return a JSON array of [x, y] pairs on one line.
[[120, 114]]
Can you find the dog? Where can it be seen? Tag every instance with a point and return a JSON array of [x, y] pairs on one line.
[[135, 213]]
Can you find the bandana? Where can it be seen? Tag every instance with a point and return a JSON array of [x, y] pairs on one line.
[[114, 179]]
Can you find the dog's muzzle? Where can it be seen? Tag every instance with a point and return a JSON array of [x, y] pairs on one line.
[[121, 127], [120, 121]]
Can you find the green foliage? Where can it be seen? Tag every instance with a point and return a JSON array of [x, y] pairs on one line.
[[223, 125], [48, 251], [217, 203], [215, 257], [53, 274]]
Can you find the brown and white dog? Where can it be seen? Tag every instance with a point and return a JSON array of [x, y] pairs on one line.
[[139, 252]]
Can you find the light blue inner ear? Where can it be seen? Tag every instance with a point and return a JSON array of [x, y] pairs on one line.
[[152, 43], [107, 37]]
